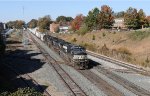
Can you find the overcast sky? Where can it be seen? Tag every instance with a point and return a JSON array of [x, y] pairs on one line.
[[13, 9]]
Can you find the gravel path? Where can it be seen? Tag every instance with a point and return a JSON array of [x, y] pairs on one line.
[[84, 83]]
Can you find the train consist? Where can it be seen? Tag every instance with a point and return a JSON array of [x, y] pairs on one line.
[[73, 53]]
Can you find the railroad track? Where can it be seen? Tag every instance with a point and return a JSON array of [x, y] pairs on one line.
[[120, 63], [65, 77], [100, 83], [125, 83], [34, 84]]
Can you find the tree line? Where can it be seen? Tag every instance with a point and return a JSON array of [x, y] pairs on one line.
[[96, 19]]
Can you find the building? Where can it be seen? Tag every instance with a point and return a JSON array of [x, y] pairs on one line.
[[54, 27], [63, 28], [119, 23]]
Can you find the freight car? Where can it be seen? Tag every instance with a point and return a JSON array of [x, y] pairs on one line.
[[74, 53]]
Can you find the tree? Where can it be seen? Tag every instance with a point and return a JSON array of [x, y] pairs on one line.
[[69, 19], [77, 22], [131, 18], [43, 23], [105, 18], [148, 20], [91, 20], [119, 14], [142, 17], [32, 23], [11, 24], [18, 24], [63, 20], [135, 19]]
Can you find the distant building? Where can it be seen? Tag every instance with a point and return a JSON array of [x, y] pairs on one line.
[[119, 23], [54, 27], [64, 28]]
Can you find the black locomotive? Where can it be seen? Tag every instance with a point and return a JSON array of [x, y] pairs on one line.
[[73, 53]]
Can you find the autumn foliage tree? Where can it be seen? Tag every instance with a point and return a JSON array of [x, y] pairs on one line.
[[105, 17], [148, 20], [135, 19], [33, 23], [43, 23], [77, 22]]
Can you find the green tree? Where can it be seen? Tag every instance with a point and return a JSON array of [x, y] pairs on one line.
[[143, 21], [61, 19], [91, 20], [119, 14], [44, 22], [69, 19], [11, 24], [32, 23], [135, 19], [105, 18], [18, 24]]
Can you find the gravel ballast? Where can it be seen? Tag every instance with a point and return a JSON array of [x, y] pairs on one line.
[[113, 83], [83, 82]]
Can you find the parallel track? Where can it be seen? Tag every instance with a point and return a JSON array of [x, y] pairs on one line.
[[125, 83], [100, 83], [120, 63], [69, 82]]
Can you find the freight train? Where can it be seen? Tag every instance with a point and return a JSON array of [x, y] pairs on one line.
[[71, 52]]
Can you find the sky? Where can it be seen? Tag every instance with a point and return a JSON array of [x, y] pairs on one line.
[[33, 9]]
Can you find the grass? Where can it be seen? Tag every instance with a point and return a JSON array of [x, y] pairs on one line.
[[139, 35]]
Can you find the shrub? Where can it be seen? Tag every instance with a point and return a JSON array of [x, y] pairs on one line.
[[83, 30], [23, 92], [147, 60], [104, 34], [124, 50], [74, 40], [93, 38]]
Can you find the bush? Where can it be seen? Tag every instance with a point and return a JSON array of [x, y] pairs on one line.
[[104, 34], [83, 30], [23, 92], [147, 60], [124, 50], [93, 38], [74, 40]]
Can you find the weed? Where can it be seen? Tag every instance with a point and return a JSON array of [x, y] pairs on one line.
[[93, 38], [104, 34], [124, 50], [74, 40], [147, 60]]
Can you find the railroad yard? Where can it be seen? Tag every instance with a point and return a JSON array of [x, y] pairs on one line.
[[36, 65]]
